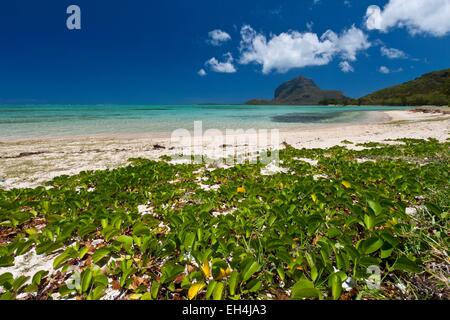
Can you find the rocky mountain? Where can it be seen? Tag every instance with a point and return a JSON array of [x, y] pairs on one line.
[[430, 89], [300, 91]]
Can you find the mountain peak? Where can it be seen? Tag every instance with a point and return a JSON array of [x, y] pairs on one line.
[[300, 91]]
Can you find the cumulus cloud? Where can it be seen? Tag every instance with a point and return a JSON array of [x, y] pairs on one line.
[[346, 67], [418, 16], [386, 70], [217, 37], [294, 49], [349, 42], [225, 66], [392, 53], [201, 72]]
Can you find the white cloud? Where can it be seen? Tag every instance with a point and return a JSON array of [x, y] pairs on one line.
[[346, 67], [392, 53], [418, 16], [351, 41], [201, 72], [217, 37], [294, 49], [347, 3], [222, 67], [384, 69]]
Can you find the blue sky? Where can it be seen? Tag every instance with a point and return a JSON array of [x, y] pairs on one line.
[[150, 52]]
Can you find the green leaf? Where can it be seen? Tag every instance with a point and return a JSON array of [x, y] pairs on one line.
[[375, 206], [386, 250], [86, 279], [369, 221], [281, 273], [101, 280], [210, 289], [249, 270], [155, 289], [405, 264], [170, 271], [6, 261], [218, 291], [336, 286], [232, 282], [6, 278], [146, 296], [254, 285], [7, 296], [97, 293], [19, 282], [390, 239], [100, 254], [126, 241], [189, 240], [304, 289], [37, 278], [59, 260], [83, 252], [371, 245]]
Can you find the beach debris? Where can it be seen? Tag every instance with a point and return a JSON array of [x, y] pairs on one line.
[[224, 212], [412, 211], [24, 154], [363, 160], [207, 187], [433, 110], [97, 242], [89, 189], [158, 147], [320, 176], [145, 209], [272, 169], [349, 284], [164, 228]]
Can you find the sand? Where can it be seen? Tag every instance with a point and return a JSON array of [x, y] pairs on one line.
[[31, 162]]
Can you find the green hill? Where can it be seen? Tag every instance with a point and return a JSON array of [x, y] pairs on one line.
[[430, 89]]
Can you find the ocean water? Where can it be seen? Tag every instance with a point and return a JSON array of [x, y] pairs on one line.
[[33, 121]]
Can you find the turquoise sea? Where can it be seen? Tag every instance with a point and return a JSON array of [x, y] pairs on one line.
[[32, 121]]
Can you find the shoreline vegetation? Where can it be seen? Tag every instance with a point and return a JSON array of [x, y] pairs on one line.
[[343, 199]]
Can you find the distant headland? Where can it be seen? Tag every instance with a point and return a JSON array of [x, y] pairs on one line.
[[429, 89]]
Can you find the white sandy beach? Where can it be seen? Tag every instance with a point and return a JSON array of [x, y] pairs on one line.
[[29, 163]]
